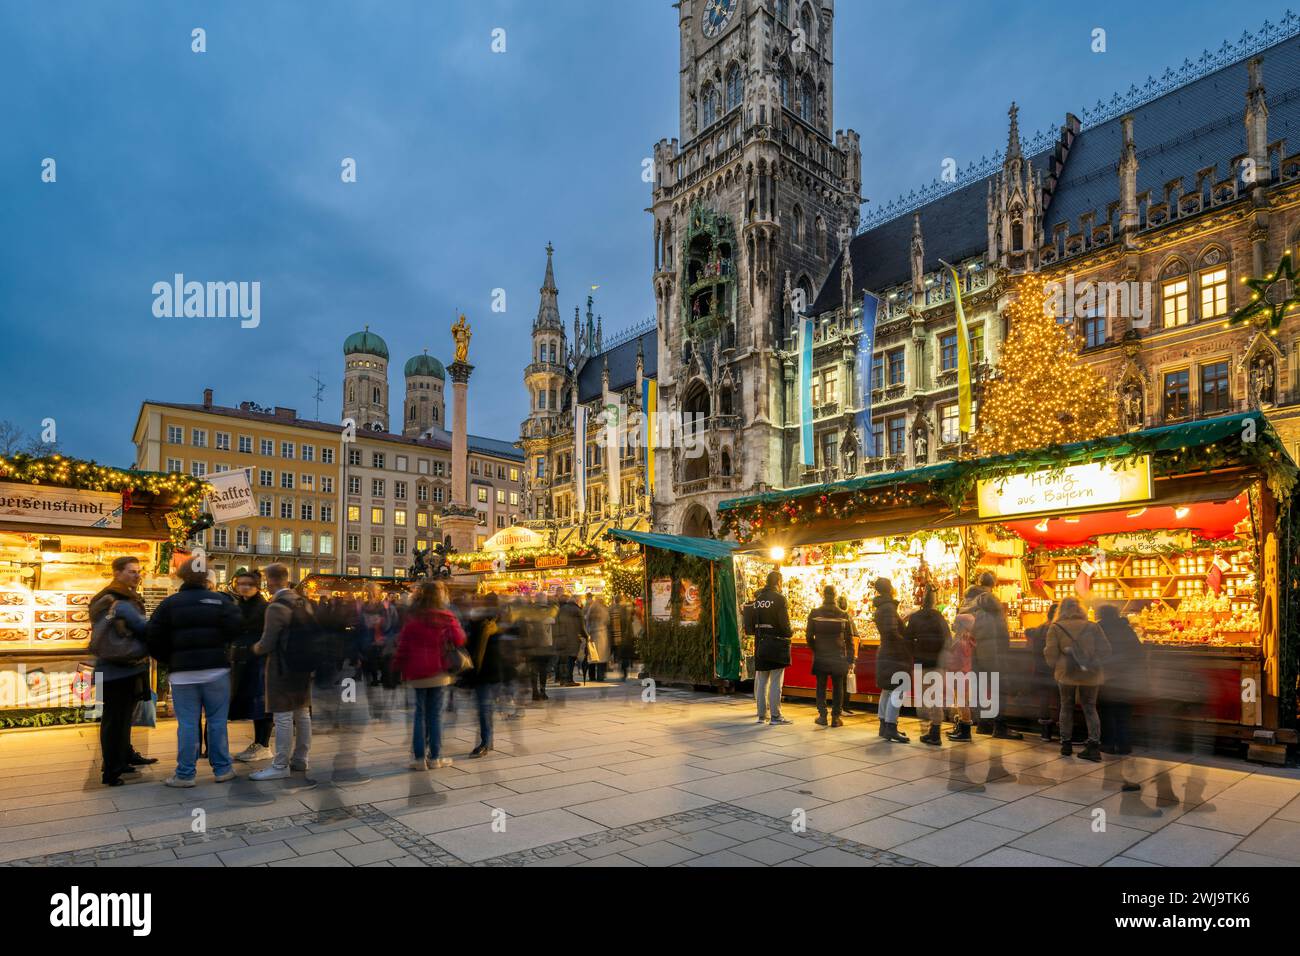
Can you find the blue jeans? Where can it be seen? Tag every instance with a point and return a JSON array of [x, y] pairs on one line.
[[427, 738], [213, 700], [486, 695]]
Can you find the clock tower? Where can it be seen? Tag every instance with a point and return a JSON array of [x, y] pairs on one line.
[[751, 207]]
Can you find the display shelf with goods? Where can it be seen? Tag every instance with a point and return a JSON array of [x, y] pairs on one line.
[[62, 523], [1179, 528]]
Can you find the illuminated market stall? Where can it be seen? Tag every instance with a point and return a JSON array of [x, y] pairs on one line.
[[518, 562], [1188, 529], [62, 522]]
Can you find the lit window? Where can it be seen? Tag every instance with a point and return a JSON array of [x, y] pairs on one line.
[[376, 515], [501, 496], [421, 519], [1174, 302], [1177, 399], [286, 541], [326, 543], [949, 423], [1214, 388], [483, 495], [399, 518], [1214, 293]]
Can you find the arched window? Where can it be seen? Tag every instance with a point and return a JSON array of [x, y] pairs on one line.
[[821, 236], [783, 12], [784, 81], [412, 415], [377, 398], [735, 87], [806, 24], [807, 100], [352, 393], [797, 232], [710, 100], [436, 414]]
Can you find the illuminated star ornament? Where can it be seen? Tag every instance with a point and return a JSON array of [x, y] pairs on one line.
[[1275, 294]]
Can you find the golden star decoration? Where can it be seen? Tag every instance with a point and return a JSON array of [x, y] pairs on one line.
[[1269, 295]]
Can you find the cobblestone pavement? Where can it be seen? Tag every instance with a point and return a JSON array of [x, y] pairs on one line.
[[599, 777]]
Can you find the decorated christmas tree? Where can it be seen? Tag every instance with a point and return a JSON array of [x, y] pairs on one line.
[[1042, 394]]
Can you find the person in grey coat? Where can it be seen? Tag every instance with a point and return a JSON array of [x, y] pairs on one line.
[[1076, 649], [288, 693], [570, 636], [992, 647]]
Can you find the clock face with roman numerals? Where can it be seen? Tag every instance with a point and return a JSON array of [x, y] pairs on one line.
[[717, 13]]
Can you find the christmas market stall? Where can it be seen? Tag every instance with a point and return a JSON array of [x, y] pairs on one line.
[[62, 522], [1187, 530], [691, 633], [518, 562]]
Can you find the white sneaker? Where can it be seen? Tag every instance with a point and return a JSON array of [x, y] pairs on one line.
[[174, 781], [270, 773], [253, 751]]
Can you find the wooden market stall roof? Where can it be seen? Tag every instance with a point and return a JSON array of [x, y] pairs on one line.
[[1242, 443]]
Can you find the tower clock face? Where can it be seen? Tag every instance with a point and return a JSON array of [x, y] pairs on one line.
[[717, 14]]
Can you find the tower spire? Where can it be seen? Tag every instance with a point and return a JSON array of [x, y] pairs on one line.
[[548, 309], [1013, 135]]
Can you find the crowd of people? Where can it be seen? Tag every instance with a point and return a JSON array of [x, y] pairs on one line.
[[1098, 665], [239, 655]]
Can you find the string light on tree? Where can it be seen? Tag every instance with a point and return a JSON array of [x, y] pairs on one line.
[[1043, 395]]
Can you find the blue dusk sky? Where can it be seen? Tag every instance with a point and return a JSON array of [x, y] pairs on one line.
[[225, 166]]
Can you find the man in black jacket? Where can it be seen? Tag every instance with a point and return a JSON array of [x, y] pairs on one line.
[[828, 634], [190, 633], [928, 633], [768, 618]]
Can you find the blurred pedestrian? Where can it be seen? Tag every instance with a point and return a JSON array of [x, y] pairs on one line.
[[1126, 679], [894, 658], [827, 633], [958, 666], [842, 603], [290, 629], [570, 639], [597, 623], [424, 646], [483, 642]]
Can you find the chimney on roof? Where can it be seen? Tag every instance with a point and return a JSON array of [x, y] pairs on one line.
[[1128, 172], [286, 414], [207, 398]]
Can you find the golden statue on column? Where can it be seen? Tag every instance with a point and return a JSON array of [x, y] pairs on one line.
[[462, 333]]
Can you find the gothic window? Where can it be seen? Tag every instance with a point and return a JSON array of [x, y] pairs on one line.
[[377, 396], [821, 236], [735, 87], [710, 99], [807, 101], [797, 233], [412, 415], [784, 81], [352, 393], [806, 24], [436, 415], [783, 12], [726, 462]]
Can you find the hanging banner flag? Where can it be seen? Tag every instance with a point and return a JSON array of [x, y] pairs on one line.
[[649, 414], [231, 497], [866, 348], [805, 391], [613, 417], [580, 459], [963, 358]]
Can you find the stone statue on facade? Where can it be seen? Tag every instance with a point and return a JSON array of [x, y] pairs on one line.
[[1262, 377], [1134, 407]]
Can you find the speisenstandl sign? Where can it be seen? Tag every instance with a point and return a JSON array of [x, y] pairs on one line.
[[1072, 488], [45, 504]]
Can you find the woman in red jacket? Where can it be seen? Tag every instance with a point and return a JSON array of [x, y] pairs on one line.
[[430, 635]]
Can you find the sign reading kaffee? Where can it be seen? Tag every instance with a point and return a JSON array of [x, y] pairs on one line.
[[231, 497], [44, 504], [1073, 488]]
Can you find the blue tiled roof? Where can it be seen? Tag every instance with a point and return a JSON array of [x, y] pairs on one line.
[[493, 446], [1194, 126]]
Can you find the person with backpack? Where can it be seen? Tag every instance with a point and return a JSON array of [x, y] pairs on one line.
[[287, 643], [927, 632], [118, 628], [427, 659], [767, 617], [1076, 649], [190, 633]]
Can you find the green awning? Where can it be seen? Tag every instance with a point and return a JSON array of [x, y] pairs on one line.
[[1164, 439], [699, 547]]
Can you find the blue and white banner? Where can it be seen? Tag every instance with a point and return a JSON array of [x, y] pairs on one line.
[[866, 348], [805, 392], [580, 459]]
